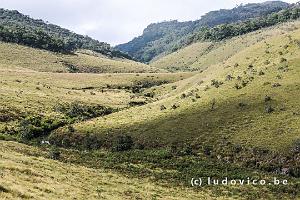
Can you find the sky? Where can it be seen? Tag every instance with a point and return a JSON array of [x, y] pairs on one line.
[[117, 21]]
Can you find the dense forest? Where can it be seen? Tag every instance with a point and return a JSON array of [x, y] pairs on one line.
[[166, 37], [18, 28]]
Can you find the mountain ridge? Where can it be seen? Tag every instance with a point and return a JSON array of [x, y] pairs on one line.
[[163, 37]]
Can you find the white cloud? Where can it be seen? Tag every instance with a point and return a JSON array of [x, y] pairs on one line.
[[116, 21]]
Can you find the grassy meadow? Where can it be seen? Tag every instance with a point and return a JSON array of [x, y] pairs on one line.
[[126, 130], [25, 176], [82, 61], [212, 104]]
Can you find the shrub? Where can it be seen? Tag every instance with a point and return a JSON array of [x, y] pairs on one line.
[[283, 60], [71, 68], [279, 77], [229, 77], [35, 126], [237, 86], [207, 150], [71, 129], [137, 103], [122, 143], [268, 98], [162, 107], [269, 109], [149, 94], [213, 104], [91, 142], [237, 148], [261, 73], [139, 85], [3, 189], [294, 171], [296, 146], [54, 153], [245, 83], [216, 83], [276, 85], [175, 106], [77, 110], [242, 105]]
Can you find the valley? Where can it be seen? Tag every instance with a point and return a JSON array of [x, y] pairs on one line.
[[99, 124]]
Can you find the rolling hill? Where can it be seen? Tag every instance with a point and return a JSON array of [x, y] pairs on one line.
[[87, 124], [243, 109], [268, 57], [81, 61], [199, 56]]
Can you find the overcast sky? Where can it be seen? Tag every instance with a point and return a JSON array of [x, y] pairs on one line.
[[116, 21]]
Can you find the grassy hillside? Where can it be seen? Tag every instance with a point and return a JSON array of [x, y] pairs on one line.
[[41, 178], [50, 100], [13, 56], [244, 110], [119, 129], [257, 69], [201, 55], [29, 173]]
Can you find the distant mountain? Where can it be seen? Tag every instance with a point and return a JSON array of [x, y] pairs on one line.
[[19, 28], [166, 37]]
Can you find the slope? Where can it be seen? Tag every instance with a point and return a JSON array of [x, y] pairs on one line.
[[245, 107], [54, 89], [27, 175], [13, 56], [201, 55]]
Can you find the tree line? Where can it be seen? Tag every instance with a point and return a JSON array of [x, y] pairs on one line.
[[225, 31], [21, 29]]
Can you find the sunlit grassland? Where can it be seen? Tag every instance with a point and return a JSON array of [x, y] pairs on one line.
[[107, 89], [33, 82], [13, 56], [201, 55], [238, 116], [25, 93], [194, 121]]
